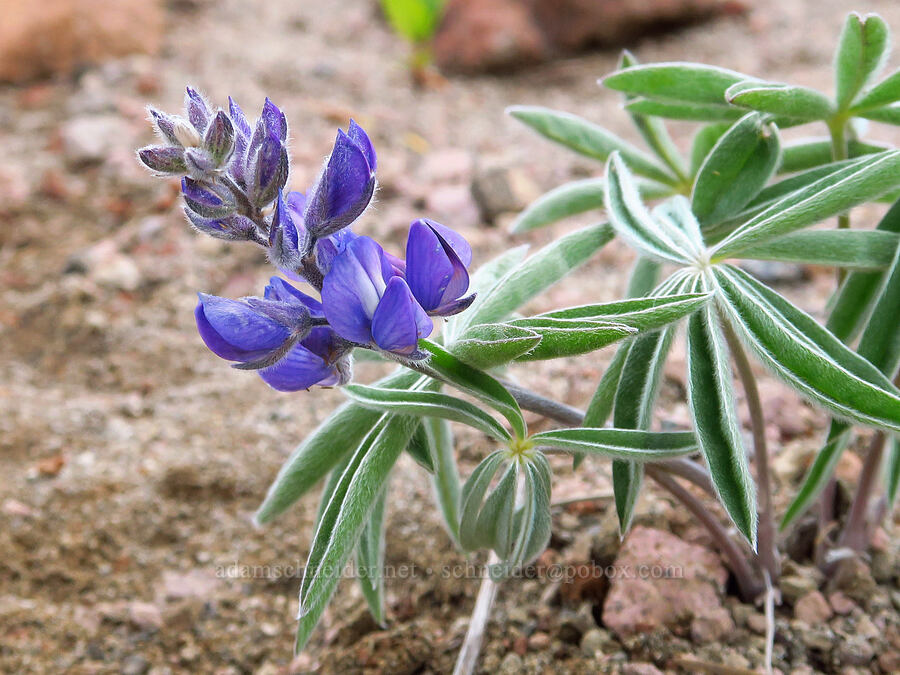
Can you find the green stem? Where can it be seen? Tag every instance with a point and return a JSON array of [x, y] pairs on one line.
[[839, 151]]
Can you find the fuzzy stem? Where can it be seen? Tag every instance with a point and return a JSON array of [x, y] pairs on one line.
[[659, 472], [857, 528], [766, 531]]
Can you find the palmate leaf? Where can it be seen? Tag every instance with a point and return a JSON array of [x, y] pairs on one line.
[[704, 141], [862, 181], [531, 523], [419, 449], [567, 200], [493, 344], [862, 51], [323, 448], [678, 110], [856, 249], [588, 139], [889, 114], [711, 400], [345, 517], [675, 82], [427, 404], [442, 365], [471, 499], [524, 281], [631, 444], [633, 223], [808, 357], [884, 93], [736, 169]]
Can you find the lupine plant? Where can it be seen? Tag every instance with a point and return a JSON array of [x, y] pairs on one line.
[[457, 336]]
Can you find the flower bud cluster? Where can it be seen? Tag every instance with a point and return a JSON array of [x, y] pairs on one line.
[[233, 178]]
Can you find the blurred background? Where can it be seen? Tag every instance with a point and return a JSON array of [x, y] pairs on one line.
[[132, 459]]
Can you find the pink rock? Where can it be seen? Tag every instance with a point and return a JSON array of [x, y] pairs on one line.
[[662, 581], [840, 603], [640, 669], [145, 615], [191, 584], [55, 37], [712, 626], [812, 609]]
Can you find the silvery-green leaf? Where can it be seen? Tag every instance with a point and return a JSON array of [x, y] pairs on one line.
[[784, 100], [588, 139], [633, 223], [641, 313], [531, 523], [676, 81], [804, 155], [323, 448], [862, 181], [820, 472], [892, 472], [678, 110], [426, 404], [704, 141], [534, 275], [653, 130], [493, 344], [854, 300], [472, 498], [370, 560], [567, 200], [493, 527], [442, 365], [630, 444], [889, 114], [446, 474], [351, 505], [711, 400], [885, 92], [855, 249], [808, 357], [569, 337], [736, 169], [862, 50], [419, 449]]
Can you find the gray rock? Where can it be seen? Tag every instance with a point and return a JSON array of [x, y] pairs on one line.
[[135, 665], [511, 664], [499, 190], [88, 139]]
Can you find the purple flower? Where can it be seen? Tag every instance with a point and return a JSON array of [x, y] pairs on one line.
[[367, 302], [436, 262], [275, 335], [260, 159], [345, 186]]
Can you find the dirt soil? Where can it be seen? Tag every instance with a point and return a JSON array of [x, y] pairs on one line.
[[132, 458]]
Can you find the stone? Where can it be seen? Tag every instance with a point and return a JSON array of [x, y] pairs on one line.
[[89, 139], [486, 35], [812, 609], [135, 665], [855, 651], [840, 603], [596, 640], [795, 586], [817, 638], [640, 669], [511, 664], [854, 578], [538, 641], [889, 662], [57, 37], [145, 615], [196, 583], [757, 623], [712, 626], [642, 603], [499, 190]]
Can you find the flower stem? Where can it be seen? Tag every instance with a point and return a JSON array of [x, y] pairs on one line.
[[660, 472], [767, 545], [857, 528]]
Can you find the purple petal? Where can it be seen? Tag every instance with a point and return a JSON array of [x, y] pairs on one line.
[[274, 119], [238, 117], [329, 248], [399, 321], [232, 330], [296, 202], [164, 159], [453, 307], [434, 272], [361, 138], [283, 223], [343, 190], [279, 289], [299, 369], [457, 242], [353, 288]]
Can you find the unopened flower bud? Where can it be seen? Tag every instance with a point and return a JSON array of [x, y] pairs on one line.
[[164, 125], [199, 163], [231, 228], [208, 200], [268, 171], [185, 134], [274, 120], [165, 160], [284, 237], [219, 138], [197, 109]]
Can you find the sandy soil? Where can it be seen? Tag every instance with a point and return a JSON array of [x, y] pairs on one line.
[[132, 458]]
